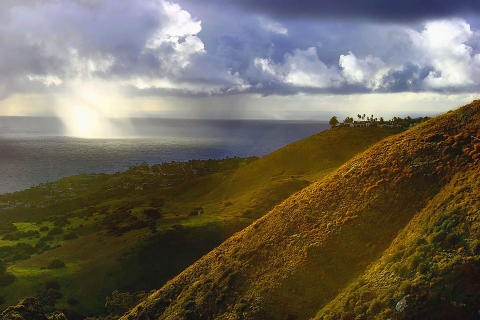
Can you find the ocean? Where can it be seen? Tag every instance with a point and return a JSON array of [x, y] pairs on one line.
[[34, 150]]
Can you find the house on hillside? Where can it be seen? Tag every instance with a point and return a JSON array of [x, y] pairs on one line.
[[360, 124], [386, 125]]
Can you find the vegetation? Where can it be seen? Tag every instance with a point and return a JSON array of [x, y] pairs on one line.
[[136, 230], [395, 122], [333, 121], [353, 223], [6, 278], [56, 264], [392, 233]]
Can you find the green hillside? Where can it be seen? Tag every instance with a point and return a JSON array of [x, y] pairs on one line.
[[392, 233], [101, 225]]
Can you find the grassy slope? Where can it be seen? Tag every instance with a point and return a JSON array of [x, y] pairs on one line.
[[295, 260], [139, 260], [256, 188], [434, 263]]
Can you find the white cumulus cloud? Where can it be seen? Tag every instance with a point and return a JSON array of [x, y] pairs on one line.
[[302, 68], [443, 45], [361, 71]]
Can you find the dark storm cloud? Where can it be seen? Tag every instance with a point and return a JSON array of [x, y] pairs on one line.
[[383, 10], [408, 78]]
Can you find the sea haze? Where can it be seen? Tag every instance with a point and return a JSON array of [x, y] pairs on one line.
[[34, 150]]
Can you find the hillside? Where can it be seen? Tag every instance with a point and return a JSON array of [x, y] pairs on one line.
[[102, 224], [393, 232]]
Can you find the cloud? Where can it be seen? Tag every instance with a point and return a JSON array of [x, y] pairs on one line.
[[158, 48], [442, 45], [303, 68], [272, 26], [361, 71], [407, 78], [386, 10], [153, 44]]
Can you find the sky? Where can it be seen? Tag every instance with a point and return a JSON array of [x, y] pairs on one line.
[[245, 59]]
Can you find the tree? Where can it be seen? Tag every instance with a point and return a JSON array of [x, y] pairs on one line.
[[348, 120], [333, 122], [55, 264], [153, 227]]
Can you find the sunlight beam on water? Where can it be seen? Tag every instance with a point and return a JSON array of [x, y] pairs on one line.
[[92, 110]]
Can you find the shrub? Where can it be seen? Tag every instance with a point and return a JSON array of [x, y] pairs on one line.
[[422, 268], [119, 303], [21, 234], [153, 227], [55, 231], [70, 236], [152, 213], [61, 222], [56, 264], [46, 238], [6, 279], [6, 227], [49, 297], [475, 247], [52, 285], [39, 245], [44, 229]]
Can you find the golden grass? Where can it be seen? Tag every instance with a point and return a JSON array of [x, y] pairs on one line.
[[296, 259]]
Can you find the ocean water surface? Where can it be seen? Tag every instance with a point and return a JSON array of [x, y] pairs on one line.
[[35, 150]]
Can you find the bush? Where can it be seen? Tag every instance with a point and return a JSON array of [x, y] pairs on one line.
[[70, 236], [21, 234], [46, 238], [56, 264], [44, 229], [7, 227], [152, 213], [55, 231], [49, 297], [61, 222], [119, 303], [39, 245], [52, 285], [6, 279]]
